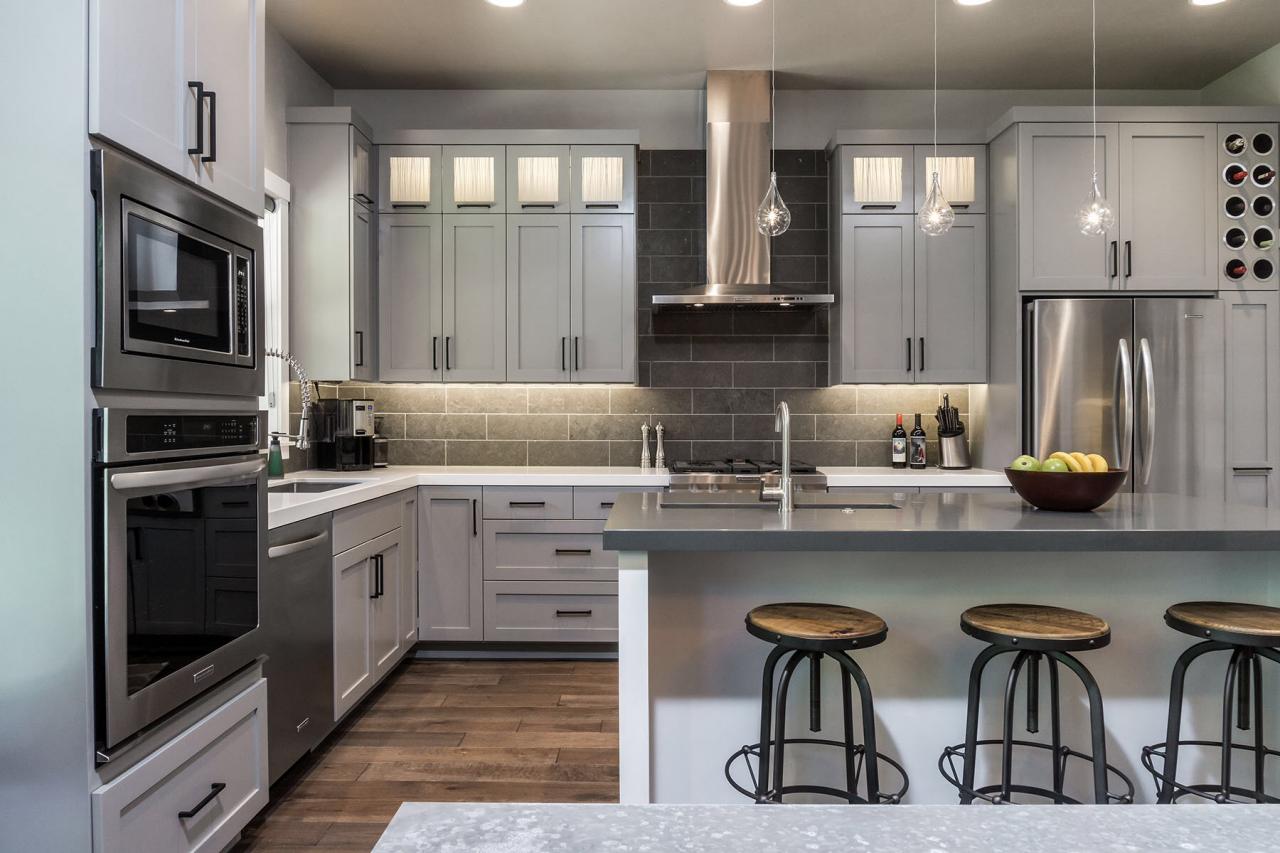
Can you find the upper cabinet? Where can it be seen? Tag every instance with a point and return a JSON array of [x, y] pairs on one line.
[[474, 179], [475, 298], [182, 85], [604, 178], [410, 297], [603, 287], [876, 178], [962, 173], [538, 178], [360, 172], [409, 179]]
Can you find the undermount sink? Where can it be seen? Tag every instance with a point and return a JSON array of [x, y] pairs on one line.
[[307, 487], [748, 499]]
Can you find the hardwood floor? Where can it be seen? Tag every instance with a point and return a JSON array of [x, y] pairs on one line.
[[450, 731]]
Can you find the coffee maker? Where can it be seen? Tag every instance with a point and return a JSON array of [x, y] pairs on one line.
[[344, 434]]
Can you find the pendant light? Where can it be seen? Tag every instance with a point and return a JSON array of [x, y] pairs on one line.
[[1096, 216], [936, 217], [772, 216]]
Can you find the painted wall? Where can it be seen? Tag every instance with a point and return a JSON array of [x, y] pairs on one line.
[[1257, 81], [44, 504], [291, 82]]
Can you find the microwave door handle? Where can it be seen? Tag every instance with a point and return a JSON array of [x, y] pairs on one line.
[[210, 475], [1147, 367], [1122, 423]]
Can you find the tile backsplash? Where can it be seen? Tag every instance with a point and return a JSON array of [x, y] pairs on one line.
[[711, 377]]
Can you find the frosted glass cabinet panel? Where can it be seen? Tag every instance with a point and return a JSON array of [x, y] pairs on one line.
[[538, 178], [604, 178], [474, 178], [877, 178], [409, 178], [962, 169]]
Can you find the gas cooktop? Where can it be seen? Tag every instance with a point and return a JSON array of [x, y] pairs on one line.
[[717, 474]]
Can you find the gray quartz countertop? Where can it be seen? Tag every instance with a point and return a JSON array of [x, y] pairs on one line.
[[518, 828], [941, 522]]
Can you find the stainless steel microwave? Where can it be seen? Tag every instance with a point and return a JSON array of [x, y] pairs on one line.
[[179, 305]]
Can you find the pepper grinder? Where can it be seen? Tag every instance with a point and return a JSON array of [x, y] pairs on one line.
[[660, 456], [644, 446]]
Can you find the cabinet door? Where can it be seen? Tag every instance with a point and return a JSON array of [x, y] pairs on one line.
[[1055, 165], [877, 179], [361, 170], [1168, 206], [538, 288], [538, 178], [951, 303], [384, 620], [408, 562], [603, 282], [410, 296], [604, 179], [409, 179], [962, 171], [876, 303], [230, 37], [363, 355], [352, 625], [475, 293], [450, 565], [1253, 396], [474, 178], [141, 56]]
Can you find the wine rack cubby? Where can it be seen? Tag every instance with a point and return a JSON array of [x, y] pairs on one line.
[[1248, 220]]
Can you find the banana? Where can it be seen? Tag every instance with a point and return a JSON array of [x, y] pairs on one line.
[[1100, 465], [1085, 465], [1072, 463]]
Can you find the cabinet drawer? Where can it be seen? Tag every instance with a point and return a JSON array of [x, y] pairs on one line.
[[230, 502], [528, 502], [547, 551], [540, 611], [359, 524], [223, 755], [597, 501]]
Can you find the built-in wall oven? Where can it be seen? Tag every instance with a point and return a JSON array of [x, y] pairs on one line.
[[179, 306], [180, 503]]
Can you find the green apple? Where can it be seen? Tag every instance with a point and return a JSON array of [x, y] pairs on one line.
[[1052, 465], [1025, 463]]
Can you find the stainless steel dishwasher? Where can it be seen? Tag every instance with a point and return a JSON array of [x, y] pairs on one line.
[[297, 621]]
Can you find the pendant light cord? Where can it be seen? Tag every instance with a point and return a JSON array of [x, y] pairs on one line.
[[773, 86], [1093, 101], [935, 83]]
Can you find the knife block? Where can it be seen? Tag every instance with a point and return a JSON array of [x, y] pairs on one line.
[[953, 452]]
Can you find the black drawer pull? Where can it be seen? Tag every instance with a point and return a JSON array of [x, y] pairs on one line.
[[606, 504], [597, 206], [1251, 469], [878, 206], [548, 205], [466, 204], [526, 503], [573, 551], [409, 204], [235, 503], [573, 613], [214, 790]]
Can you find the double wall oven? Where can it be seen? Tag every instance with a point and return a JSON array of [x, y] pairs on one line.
[[180, 504]]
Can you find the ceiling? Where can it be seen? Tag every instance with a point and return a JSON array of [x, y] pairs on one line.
[[822, 44]]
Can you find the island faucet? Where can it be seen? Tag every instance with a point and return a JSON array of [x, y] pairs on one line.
[[302, 440], [782, 424]]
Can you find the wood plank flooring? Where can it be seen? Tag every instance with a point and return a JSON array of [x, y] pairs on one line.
[[450, 731]]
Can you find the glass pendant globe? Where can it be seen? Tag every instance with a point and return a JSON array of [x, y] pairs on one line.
[[772, 216], [1096, 216], [936, 217]]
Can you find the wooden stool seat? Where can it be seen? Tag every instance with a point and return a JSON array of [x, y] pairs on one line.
[[816, 627], [1035, 627], [1227, 622]]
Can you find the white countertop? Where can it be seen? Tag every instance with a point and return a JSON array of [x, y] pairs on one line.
[[287, 508]]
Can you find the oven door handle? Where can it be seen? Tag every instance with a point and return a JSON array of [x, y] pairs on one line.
[[209, 475]]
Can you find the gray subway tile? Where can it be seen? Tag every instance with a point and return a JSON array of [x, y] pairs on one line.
[[761, 450], [800, 348], [696, 427], [842, 399], [686, 215], [445, 426], [874, 453], [854, 427], [732, 401], [528, 427], [692, 322], [760, 428], [391, 425], [487, 453], [664, 348], [830, 454], [644, 401], [415, 452], [803, 189], [733, 348], [801, 242], [568, 453], [676, 269], [663, 189], [792, 269], [352, 391], [568, 399], [676, 374], [791, 321], [796, 161], [678, 161], [664, 242], [485, 400], [778, 374], [407, 398], [890, 399], [606, 427]]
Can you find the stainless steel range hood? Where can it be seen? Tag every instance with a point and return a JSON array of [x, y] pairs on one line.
[[738, 123]]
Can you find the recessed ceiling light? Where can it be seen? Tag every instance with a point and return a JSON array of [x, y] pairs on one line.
[[1206, 2], [971, 2], [743, 2], [506, 4]]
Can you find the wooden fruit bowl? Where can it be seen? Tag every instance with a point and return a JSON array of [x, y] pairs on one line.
[[1064, 491]]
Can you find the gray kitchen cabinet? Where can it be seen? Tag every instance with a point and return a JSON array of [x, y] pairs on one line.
[[385, 645], [555, 550], [1168, 206], [951, 303], [450, 564], [551, 611], [875, 179], [352, 624], [603, 178], [408, 564], [962, 172], [410, 296], [873, 323], [361, 169], [538, 297], [475, 272], [538, 179], [363, 346], [1055, 163], [409, 179], [603, 298], [1253, 397], [474, 179]]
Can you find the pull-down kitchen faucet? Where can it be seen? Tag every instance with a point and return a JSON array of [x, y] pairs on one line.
[[302, 440], [786, 500]]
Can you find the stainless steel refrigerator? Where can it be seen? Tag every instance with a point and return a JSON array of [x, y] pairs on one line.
[[1140, 381]]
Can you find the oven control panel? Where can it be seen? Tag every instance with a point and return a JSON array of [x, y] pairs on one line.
[[147, 433]]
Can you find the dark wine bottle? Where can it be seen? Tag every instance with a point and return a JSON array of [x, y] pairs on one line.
[[1234, 144], [1263, 269], [1263, 238], [1236, 206], [1235, 174], [1262, 205], [1235, 238], [1263, 175], [918, 460], [899, 445], [1236, 269], [1262, 143]]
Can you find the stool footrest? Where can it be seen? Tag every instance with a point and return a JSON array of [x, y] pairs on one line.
[[993, 793], [1206, 791], [749, 751]]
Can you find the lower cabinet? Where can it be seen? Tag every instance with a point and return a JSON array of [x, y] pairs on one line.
[[1253, 397], [557, 611], [450, 571]]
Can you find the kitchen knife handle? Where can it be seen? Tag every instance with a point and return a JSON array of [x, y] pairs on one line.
[[908, 355]]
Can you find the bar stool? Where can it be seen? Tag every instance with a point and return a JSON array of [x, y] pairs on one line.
[[1031, 632], [814, 631], [1250, 632]]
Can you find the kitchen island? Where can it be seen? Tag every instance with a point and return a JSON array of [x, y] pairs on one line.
[[689, 674]]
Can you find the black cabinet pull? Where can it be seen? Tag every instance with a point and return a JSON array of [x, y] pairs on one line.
[[576, 366], [877, 206], [573, 613], [922, 353], [959, 207], [213, 128], [908, 355], [485, 204], [573, 552], [446, 352], [416, 204], [374, 578], [435, 352], [606, 504], [611, 206], [198, 87], [359, 348], [382, 575], [214, 790], [526, 503], [564, 343], [1128, 259], [1114, 267], [235, 503], [475, 526], [543, 205]]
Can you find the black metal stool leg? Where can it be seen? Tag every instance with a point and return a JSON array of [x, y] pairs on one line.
[[1259, 746], [780, 722], [1006, 754], [850, 750], [1228, 721], [766, 717], [868, 725], [1173, 729], [971, 718], [1097, 726], [1055, 732]]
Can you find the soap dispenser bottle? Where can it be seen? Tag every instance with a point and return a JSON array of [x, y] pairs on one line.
[[275, 458]]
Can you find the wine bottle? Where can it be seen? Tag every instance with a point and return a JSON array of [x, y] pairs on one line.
[[899, 442], [1263, 269], [1236, 269], [1262, 205], [918, 460], [1263, 238], [1263, 175], [1235, 238], [1235, 174], [1236, 206], [1234, 144]]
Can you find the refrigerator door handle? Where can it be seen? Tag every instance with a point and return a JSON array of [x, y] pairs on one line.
[[1147, 369], [1122, 421]]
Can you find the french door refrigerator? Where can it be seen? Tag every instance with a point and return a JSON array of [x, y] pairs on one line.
[[1140, 381]]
